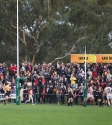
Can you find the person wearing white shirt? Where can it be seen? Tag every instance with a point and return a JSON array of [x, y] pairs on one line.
[[108, 91], [89, 73]]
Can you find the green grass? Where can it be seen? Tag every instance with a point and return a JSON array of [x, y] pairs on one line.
[[40, 114]]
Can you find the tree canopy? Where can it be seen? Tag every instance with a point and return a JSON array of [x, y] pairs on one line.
[[49, 29]]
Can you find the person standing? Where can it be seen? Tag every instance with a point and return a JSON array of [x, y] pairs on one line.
[[104, 98], [62, 92], [108, 90], [95, 93], [30, 96], [7, 90], [73, 81], [81, 92], [43, 94], [22, 93], [50, 94], [76, 95], [89, 95], [2, 91], [70, 95], [100, 97], [35, 91]]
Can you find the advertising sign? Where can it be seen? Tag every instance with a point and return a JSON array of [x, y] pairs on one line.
[[80, 58]]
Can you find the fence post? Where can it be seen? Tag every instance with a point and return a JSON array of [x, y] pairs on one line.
[[85, 92], [17, 91]]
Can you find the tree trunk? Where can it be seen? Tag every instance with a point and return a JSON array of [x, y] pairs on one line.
[[48, 10], [33, 59], [26, 58]]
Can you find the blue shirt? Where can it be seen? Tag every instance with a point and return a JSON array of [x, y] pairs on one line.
[[2, 69]]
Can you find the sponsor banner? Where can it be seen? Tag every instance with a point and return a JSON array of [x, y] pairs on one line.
[[104, 58], [80, 58], [2, 96], [12, 96]]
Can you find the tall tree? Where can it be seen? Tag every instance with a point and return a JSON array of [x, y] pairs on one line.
[[53, 29]]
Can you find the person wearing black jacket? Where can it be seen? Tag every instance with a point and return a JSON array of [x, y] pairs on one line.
[[62, 93], [76, 95], [100, 97], [35, 92], [2, 91], [95, 93], [50, 94]]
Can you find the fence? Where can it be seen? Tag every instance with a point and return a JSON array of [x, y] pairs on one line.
[[50, 98], [12, 96]]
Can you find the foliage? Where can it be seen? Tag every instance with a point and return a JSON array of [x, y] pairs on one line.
[[48, 29]]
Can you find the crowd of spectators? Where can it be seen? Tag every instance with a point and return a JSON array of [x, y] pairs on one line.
[[49, 81]]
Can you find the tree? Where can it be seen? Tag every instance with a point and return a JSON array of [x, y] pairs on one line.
[[33, 18], [50, 29]]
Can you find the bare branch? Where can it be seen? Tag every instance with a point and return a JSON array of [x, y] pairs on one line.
[[23, 40], [16, 35], [4, 12], [23, 31], [36, 43], [15, 26], [84, 37]]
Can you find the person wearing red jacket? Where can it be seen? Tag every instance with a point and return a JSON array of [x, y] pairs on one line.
[[1, 75], [94, 74], [43, 80], [43, 94], [13, 69], [30, 96]]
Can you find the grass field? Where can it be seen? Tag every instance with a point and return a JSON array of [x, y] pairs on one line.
[[26, 114]]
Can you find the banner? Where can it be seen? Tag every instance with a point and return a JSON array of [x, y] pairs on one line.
[[104, 58], [80, 58], [2, 96], [12, 96]]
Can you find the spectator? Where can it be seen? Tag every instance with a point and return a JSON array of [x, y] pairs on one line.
[[73, 81], [53, 80]]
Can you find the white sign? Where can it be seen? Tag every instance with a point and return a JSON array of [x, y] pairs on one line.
[[12, 96], [2, 96]]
